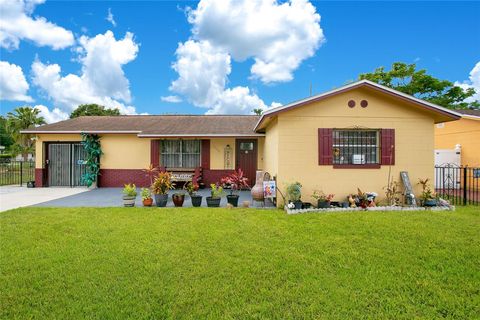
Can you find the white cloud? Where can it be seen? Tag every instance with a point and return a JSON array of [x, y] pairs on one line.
[[277, 37], [203, 72], [18, 24], [13, 85], [109, 17], [171, 99], [102, 79], [473, 82], [51, 116]]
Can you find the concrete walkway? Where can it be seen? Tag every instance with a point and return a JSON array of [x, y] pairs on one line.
[[12, 197], [112, 197]]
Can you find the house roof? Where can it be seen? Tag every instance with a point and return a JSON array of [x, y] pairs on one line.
[[450, 114], [469, 114], [157, 125]]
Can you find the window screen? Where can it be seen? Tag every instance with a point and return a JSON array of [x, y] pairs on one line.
[[355, 147]]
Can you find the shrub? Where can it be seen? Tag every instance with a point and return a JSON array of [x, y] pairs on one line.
[[162, 183], [130, 190], [216, 191], [146, 193], [294, 191]]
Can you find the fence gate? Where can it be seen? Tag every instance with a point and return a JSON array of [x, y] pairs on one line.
[[65, 164], [459, 185]]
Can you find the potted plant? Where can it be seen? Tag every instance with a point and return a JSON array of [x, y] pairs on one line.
[[160, 187], [427, 197], [323, 200], [146, 197], [191, 189], [235, 181], [362, 198], [178, 198], [294, 193], [216, 193], [129, 195]]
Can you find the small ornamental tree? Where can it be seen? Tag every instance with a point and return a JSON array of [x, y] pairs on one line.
[[91, 144]]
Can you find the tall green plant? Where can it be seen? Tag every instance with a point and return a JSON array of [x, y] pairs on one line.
[[20, 119], [91, 144]]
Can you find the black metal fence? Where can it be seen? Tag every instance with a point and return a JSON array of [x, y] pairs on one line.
[[459, 185], [13, 172]]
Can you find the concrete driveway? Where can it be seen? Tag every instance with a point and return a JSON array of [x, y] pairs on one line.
[[12, 197]]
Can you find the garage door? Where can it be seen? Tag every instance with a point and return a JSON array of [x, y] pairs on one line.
[[65, 164]]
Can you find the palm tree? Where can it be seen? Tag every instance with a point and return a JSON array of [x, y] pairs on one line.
[[23, 118]]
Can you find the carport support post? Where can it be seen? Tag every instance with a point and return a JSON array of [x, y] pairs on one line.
[[464, 186]]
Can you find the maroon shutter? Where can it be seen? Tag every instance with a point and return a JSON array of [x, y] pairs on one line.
[[387, 149], [325, 146], [155, 153], [206, 154]]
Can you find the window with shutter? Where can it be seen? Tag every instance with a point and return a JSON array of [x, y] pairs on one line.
[[356, 148], [387, 137]]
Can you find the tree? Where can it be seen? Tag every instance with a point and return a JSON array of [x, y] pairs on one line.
[[406, 78], [258, 111], [6, 139], [20, 119], [93, 110]]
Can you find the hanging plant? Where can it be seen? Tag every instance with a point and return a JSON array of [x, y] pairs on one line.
[[91, 144]]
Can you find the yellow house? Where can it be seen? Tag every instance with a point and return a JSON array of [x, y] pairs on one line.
[[464, 135], [353, 136]]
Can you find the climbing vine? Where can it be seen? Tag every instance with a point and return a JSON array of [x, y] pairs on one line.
[[91, 144]]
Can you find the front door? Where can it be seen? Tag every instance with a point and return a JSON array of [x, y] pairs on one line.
[[246, 158]]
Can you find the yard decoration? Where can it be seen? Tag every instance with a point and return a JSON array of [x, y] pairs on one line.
[[160, 187], [191, 189], [215, 197], [91, 144], [323, 200], [236, 181], [257, 190], [294, 193], [178, 198], [146, 197], [129, 195], [427, 197]]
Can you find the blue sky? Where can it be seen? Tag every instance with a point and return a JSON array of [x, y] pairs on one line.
[[442, 37]]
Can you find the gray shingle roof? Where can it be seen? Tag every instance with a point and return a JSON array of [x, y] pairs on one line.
[[157, 125]]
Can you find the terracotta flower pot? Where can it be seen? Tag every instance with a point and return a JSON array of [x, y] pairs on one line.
[[147, 202]]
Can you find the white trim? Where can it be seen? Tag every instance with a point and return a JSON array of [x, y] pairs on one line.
[[76, 131], [253, 134], [280, 108], [469, 116]]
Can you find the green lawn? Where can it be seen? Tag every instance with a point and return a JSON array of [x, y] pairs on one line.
[[116, 263]]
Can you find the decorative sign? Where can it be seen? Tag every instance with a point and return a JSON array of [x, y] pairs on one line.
[[408, 188], [476, 173], [269, 189], [227, 157]]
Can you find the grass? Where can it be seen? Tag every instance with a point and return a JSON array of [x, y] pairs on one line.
[[116, 263]]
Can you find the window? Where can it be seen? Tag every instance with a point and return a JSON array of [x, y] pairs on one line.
[[356, 147], [180, 153], [246, 146]]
